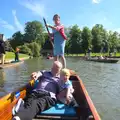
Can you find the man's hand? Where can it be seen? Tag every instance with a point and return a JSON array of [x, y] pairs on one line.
[[36, 75]]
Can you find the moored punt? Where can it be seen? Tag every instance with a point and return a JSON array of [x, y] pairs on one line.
[[59, 111], [49, 57], [114, 57], [10, 64], [104, 60]]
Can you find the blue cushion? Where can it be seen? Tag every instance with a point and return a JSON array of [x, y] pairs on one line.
[[60, 109]]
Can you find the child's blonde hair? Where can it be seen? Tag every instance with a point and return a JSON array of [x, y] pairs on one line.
[[65, 72]]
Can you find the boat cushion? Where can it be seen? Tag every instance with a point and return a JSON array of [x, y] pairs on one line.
[[61, 110]]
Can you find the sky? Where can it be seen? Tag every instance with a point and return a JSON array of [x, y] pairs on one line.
[[15, 13]]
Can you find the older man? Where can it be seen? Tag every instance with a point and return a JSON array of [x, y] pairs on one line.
[[44, 96]]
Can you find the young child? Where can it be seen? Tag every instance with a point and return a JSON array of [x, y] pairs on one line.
[[59, 39], [17, 54], [66, 89]]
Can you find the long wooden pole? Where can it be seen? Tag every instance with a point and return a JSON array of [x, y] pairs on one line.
[[48, 31]]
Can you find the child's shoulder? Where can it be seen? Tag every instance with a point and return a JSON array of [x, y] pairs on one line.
[[68, 83]]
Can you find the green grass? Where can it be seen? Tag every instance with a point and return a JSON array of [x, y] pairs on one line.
[[92, 54], [11, 55]]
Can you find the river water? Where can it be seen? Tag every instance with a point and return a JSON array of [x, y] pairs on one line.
[[102, 81]]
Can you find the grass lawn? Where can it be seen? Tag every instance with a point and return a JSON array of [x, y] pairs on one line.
[[11, 55]]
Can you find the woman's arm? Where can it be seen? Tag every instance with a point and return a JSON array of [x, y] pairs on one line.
[[55, 28], [62, 32], [60, 29]]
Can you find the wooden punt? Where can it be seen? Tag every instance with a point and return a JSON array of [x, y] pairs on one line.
[[81, 95], [49, 57], [104, 60]]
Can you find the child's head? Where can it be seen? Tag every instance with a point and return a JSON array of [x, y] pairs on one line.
[[65, 74], [56, 19], [17, 49]]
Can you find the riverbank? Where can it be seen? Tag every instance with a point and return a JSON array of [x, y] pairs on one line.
[[10, 56], [93, 54]]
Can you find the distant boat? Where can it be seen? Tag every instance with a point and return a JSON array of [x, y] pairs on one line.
[[103, 60], [50, 57], [114, 57]]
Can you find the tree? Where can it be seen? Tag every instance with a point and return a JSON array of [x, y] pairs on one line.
[[113, 40], [47, 44], [8, 47], [86, 38], [67, 46], [16, 40], [98, 37], [31, 49], [25, 49], [35, 49], [67, 31], [75, 40], [34, 32]]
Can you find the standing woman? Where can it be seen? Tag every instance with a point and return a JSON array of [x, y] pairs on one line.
[[59, 40]]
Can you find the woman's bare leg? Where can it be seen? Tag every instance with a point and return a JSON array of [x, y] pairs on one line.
[[56, 58], [63, 60]]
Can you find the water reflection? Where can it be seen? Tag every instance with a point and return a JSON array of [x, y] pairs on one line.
[[2, 81], [2, 78]]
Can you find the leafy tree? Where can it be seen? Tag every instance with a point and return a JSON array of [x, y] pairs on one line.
[[8, 47], [97, 33], [25, 49], [86, 38], [47, 45], [34, 32], [35, 49], [75, 39], [113, 40], [16, 40]]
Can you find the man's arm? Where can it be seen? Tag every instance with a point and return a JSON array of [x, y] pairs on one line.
[[36, 75]]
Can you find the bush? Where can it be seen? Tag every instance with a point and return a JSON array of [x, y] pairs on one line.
[[25, 49], [35, 49], [31, 49]]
